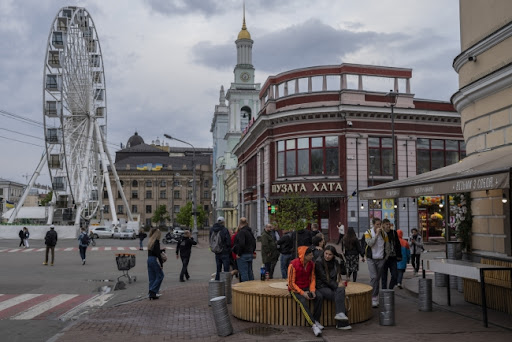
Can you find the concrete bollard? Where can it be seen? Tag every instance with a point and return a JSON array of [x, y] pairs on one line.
[[387, 307], [221, 316], [216, 288], [425, 294], [226, 278]]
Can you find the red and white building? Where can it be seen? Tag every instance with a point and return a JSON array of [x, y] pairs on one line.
[[325, 132]]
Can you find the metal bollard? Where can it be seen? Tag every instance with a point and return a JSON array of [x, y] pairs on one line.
[[453, 282], [226, 278], [387, 307], [440, 279], [460, 284], [216, 288], [425, 294], [221, 316]]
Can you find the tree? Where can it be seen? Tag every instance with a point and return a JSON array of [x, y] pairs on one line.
[[47, 199], [294, 213], [185, 217], [161, 215]]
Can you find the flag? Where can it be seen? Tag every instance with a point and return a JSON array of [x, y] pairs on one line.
[[9, 204]]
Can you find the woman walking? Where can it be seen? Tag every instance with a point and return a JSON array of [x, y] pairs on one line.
[[352, 250], [155, 264], [27, 234], [406, 257], [142, 236]]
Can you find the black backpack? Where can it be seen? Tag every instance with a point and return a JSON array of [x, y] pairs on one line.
[[366, 249], [84, 240]]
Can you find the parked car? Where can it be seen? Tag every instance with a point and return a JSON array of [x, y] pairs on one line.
[[102, 232], [128, 233]]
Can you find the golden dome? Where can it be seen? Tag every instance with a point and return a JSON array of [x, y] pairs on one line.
[[244, 34]]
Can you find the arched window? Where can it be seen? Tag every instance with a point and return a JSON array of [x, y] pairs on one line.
[[246, 113]]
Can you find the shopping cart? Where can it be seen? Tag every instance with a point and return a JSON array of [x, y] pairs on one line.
[[124, 263]]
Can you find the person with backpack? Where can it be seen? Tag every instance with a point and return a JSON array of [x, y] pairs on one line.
[[395, 255], [376, 247], [83, 243], [50, 240], [244, 248], [220, 244], [184, 249]]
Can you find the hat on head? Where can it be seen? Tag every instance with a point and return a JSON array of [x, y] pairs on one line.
[[220, 219], [52, 227]]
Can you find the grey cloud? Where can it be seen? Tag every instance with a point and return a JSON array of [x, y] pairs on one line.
[[175, 7]]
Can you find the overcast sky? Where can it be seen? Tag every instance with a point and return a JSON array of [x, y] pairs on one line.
[[165, 60]]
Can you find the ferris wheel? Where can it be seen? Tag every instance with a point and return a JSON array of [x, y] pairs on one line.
[[75, 115]]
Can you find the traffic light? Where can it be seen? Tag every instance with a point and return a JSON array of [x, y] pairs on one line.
[[273, 209], [269, 208]]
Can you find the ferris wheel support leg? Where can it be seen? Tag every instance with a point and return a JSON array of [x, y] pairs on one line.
[[80, 195], [29, 186], [114, 172], [106, 179], [51, 208]]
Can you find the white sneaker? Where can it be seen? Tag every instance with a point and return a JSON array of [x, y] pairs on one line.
[[346, 327], [341, 317], [375, 302], [316, 330], [319, 325], [399, 286]]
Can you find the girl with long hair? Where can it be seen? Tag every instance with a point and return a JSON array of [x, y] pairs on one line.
[[155, 264], [352, 251], [327, 273]]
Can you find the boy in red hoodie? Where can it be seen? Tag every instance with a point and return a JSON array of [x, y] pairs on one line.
[[302, 286]]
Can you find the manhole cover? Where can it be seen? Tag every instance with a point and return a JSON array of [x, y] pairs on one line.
[[262, 331]]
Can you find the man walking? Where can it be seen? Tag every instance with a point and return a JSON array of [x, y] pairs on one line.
[[269, 252], [416, 246], [285, 244], [50, 240], [244, 247], [376, 252], [220, 244], [83, 243], [21, 234], [395, 255], [184, 249]]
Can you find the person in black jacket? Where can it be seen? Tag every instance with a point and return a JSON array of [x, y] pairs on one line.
[[155, 264], [50, 240], [302, 237], [184, 249], [395, 255], [21, 234], [352, 250], [244, 248], [221, 258], [317, 245], [327, 272], [285, 246]]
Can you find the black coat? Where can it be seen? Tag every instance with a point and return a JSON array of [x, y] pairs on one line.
[[285, 244], [245, 243], [394, 243], [184, 247], [326, 280]]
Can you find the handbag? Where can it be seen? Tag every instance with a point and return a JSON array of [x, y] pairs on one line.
[[343, 264], [163, 256]]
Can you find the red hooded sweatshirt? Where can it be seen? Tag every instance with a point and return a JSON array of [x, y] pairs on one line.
[[301, 276]]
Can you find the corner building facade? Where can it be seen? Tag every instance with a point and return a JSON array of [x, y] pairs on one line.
[[325, 132]]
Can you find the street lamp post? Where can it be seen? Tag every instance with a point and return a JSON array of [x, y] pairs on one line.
[[194, 211], [393, 95]]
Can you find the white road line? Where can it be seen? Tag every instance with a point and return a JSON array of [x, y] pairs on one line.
[[17, 300], [68, 249], [120, 248], [14, 250], [44, 306], [108, 248], [95, 248], [28, 250], [133, 248], [41, 249]]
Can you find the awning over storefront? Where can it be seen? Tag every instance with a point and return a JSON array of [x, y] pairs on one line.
[[479, 172]]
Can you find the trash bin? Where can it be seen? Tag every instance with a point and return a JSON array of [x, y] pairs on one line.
[[221, 316], [425, 294], [387, 307]]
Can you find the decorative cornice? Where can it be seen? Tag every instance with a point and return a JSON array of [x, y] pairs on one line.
[[483, 45]]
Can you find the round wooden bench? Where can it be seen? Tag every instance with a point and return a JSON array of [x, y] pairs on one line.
[[269, 302]]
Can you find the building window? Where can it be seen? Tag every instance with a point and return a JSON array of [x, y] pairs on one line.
[[163, 194], [135, 194], [106, 209], [148, 222], [308, 156], [148, 209], [134, 209], [149, 194], [432, 154], [189, 194], [206, 194], [250, 172], [380, 156], [207, 183], [135, 183], [163, 183], [120, 209], [176, 209], [177, 194], [206, 208], [176, 183], [149, 184]]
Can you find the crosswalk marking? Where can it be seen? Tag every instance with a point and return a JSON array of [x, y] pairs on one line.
[[70, 249], [32, 306]]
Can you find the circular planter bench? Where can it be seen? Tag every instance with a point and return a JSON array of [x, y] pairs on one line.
[[269, 302]]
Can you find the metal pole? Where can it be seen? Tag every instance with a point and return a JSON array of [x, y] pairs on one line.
[[194, 212]]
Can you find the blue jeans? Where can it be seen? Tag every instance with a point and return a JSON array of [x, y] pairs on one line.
[[285, 261], [140, 244], [184, 268], [390, 265], [82, 251], [400, 276], [222, 260], [155, 274], [245, 267]]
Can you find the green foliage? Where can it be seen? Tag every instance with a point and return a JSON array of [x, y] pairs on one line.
[[47, 199], [161, 215], [185, 217], [463, 219], [294, 212]]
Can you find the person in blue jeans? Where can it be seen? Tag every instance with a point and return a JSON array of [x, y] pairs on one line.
[[222, 258], [244, 248], [155, 264], [285, 246], [83, 243], [142, 236]]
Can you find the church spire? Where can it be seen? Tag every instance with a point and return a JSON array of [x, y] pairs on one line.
[[222, 96], [244, 34]]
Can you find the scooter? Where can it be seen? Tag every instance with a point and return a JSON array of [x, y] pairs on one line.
[[174, 236]]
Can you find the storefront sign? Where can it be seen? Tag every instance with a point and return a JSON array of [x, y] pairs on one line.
[[307, 187]]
